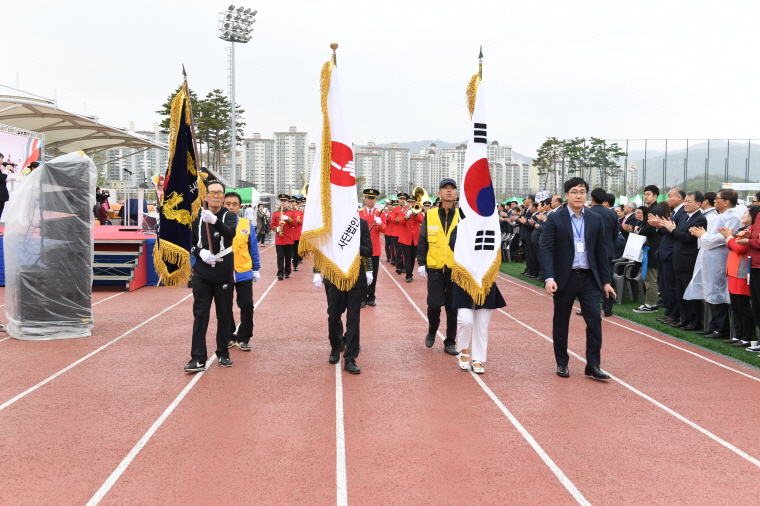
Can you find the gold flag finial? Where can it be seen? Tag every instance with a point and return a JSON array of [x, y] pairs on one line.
[[334, 46], [480, 63]]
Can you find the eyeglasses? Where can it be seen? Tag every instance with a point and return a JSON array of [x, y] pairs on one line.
[[575, 193], [215, 194]]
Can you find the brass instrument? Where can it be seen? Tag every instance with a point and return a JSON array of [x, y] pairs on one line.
[[416, 208], [281, 224], [421, 194], [305, 190]]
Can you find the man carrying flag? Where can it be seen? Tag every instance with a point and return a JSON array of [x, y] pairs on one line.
[[477, 253], [333, 234]]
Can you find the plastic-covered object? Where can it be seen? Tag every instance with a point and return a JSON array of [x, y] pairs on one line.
[[49, 251]]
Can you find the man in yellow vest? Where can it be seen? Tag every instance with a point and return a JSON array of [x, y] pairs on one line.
[[435, 259], [245, 251]]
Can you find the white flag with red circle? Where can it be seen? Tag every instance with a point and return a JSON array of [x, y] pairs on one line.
[[331, 230]]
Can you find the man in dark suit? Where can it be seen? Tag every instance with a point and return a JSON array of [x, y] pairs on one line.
[[685, 249], [676, 198], [584, 274], [526, 231], [611, 228]]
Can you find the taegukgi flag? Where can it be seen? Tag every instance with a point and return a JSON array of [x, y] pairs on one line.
[[331, 226], [477, 253]]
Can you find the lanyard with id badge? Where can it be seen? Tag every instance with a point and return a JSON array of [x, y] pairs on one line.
[[580, 247]]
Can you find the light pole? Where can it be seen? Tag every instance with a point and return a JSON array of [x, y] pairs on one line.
[[235, 25]]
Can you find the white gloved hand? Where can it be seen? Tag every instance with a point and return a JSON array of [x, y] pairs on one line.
[[207, 216], [409, 213], [208, 257], [370, 277], [378, 220], [256, 276], [421, 271], [317, 280]]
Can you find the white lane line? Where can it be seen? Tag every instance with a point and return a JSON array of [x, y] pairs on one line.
[[340, 441], [563, 479], [672, 345], [108, 298], [5, 339], [653, 401], [103, 490], [74, 364], [116, 474]]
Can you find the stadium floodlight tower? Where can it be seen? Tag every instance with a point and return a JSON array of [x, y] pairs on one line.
[[235, 25]]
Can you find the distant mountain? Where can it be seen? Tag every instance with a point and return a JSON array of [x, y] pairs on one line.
[[518, 156]]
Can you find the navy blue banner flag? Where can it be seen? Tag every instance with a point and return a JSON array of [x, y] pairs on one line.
[[182, 198]]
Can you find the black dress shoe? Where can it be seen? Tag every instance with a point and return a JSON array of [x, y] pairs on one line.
[[579, 313], [279, 277], [562, 371], [333, 358], [593, 371], [692, 328], [451, 350], [295, 268], [705, 332], [287, 276], [677, 324], [398, 271], [718, 335], [430, 340], [371, 302], [607, 314], [363, 303], [408, 279], [392, 262], [741, 344], [403, 270], [666, 319], [352, 368]]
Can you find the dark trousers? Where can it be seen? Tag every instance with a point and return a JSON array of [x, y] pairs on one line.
[[410, 254], [690, 310], [440, 293], [531, 261], [244, 291], [583, 286], [261, 237], [296, 256], [399, 259], [204, 292], [349, 301], [538, 259], [387, 248], [741, 317], [669, 284], [719, 319], [369, 292], [284, 257], [392, 241]]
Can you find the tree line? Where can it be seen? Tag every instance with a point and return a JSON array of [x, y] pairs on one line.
[[580, 157], [211, 116]]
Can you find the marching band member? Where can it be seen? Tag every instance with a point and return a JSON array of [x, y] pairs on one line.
[[384, 217], [245, 252], [391, 236], [408, 236], [282, 224], [397, 217], [375, 225], [297, 215]]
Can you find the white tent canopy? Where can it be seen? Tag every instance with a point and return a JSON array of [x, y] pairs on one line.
[[66, 132]]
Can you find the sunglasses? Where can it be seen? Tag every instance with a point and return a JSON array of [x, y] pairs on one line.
[[215, 194]]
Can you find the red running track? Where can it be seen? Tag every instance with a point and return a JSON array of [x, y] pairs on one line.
[[112, 419]]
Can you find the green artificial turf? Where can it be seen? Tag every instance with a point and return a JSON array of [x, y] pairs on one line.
[[625, 310]]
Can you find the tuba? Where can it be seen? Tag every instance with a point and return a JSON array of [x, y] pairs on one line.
[[305, 190], [421, 195]]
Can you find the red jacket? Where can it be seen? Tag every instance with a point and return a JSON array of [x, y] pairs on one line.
[[409, 230], [754, 244], [737, 255], [374, 229], [287, 236], [298, 226]]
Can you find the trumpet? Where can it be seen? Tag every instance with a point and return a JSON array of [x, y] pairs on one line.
[[416, 208], [281, 224]]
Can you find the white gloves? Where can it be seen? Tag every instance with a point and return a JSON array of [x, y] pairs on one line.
[[370, 277], [317, 280], [256, 276], [409, 213], [208, 217], [421, 271], [207, 256], [378, 220]]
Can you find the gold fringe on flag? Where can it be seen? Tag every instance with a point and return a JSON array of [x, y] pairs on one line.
[[333, 273], [171, 253], [472, 93], [462, 277], [312, 239]]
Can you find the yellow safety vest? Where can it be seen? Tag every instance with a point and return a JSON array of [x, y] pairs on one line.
[[439, 253], [240, 246]]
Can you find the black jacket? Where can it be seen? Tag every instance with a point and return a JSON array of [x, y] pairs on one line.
[[222, 233], [558, 247], [611, 226], [666, 244], [685, 246]]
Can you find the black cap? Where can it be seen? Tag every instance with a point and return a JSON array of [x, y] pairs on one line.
[[403, 195], [371, 192], [427, 203], [283, 196], [446, 181]]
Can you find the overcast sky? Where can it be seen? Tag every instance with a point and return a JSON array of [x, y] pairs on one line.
[[613, 69]]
